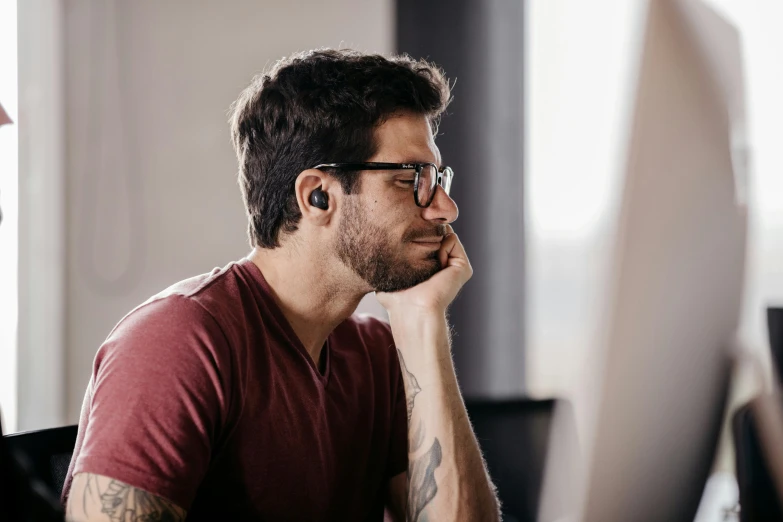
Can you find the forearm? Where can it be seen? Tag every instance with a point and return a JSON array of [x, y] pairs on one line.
[[447, 478]]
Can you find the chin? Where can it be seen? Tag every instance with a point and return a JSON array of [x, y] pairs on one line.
[[419, 269], [410, 276]]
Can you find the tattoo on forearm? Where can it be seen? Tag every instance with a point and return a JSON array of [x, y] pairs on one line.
[[422, 487], [415, 438], [90, 492], [121, 502], [421, 481], [411, 385]]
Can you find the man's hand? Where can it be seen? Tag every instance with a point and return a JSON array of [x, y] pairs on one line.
[[436, 293], [446, 478]]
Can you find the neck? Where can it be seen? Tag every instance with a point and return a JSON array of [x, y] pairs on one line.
[[313, 301]]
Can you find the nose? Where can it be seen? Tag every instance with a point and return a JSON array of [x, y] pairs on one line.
[[443, 209]]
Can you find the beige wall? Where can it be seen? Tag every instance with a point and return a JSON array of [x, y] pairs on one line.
[[151, 177]]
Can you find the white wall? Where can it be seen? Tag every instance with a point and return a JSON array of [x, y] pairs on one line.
[[580, 81], [8, 227], [41, 240], [151, 176], [760, 24]]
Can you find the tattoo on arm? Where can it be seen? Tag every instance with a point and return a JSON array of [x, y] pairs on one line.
[[411, 385], [415, 438], [422, 486], [421, 481], [120, 499], [107, 499]]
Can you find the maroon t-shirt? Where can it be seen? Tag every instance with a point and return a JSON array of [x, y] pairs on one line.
[[205, 396]]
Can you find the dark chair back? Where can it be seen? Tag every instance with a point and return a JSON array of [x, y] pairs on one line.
[[775, 326], [48, 453], [759, 501], [757, 495], [514, 436]]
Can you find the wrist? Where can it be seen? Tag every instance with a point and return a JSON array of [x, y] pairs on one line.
[[418, 318], [421, 335]]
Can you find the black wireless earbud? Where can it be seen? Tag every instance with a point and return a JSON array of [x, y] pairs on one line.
[[319, 199]]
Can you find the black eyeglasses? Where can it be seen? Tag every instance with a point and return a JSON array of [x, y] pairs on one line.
[[428, 176]]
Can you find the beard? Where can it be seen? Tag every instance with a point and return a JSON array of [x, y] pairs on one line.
[[370, 252]]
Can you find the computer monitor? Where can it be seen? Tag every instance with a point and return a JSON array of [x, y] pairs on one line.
[[678, 276]]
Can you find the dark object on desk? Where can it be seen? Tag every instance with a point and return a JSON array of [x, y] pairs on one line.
[[757, 496], [759, 501], [775, 326], [514, 436], [48, 451], [23, 496]]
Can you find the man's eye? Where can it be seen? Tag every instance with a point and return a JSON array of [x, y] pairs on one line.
[[405, 182]]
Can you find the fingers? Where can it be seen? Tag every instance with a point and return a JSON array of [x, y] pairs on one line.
[[443, 252], [446, 246], [452, 251]]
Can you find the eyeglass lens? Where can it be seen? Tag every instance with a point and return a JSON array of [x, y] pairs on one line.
[[428, 180]]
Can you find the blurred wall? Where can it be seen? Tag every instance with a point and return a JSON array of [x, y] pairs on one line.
[[9, 238], [580, 85], [151, 192], [41, 210], [479, 44]]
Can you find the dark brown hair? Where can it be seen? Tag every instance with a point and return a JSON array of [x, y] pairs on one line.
[[317, 107]]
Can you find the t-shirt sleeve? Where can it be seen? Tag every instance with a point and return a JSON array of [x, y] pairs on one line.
[[398, 455], [398, 452], [158, 399]]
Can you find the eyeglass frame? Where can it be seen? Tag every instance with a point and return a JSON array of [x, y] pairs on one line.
[[417, 167]]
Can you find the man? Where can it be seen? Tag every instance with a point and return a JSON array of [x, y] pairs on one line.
[[252, 392]]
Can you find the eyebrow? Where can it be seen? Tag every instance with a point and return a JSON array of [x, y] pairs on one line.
[[439, 164]]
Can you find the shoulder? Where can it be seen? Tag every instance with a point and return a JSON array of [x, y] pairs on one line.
[[190, 304], [178, 325], [172, 332], [167, 316], [210, 290]]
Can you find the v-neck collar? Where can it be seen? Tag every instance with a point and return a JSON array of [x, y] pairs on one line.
[[268, 298]]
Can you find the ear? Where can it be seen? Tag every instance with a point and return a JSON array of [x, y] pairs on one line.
[[309, 180]]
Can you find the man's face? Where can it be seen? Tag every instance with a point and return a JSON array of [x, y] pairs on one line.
[[384, 237]]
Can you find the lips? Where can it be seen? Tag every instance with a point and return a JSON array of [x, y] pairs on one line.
[[434, 243], [428, 235]]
